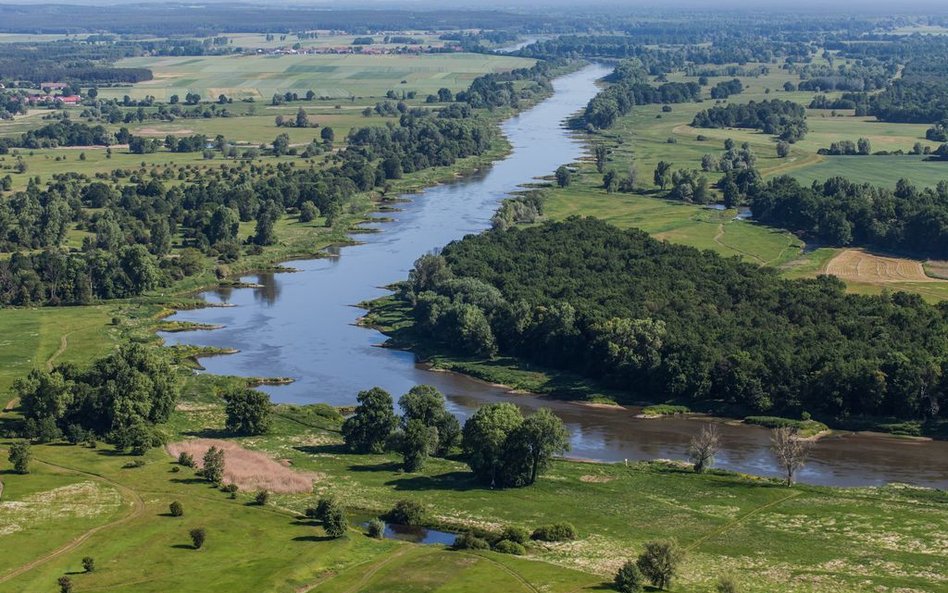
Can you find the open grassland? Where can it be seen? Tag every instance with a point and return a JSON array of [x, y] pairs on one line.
[[327, 39], [259, 77], [772, 538]]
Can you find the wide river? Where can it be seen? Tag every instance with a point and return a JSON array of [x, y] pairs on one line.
[[302, 325]]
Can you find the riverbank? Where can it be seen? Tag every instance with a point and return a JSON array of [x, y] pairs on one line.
[[392, 317]]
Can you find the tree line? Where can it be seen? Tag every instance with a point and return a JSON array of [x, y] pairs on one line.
[[665, 322]]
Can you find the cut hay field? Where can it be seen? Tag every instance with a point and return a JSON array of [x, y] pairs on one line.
[[260, 77]]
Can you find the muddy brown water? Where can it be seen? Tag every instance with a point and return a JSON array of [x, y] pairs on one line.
[[302, 325]]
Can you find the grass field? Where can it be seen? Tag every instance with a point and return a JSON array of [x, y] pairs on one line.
[[259, 77], [772, 538]]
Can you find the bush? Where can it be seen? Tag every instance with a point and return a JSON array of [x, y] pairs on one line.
[[65, 584], [555, 532], [20, 456], [515, 534], [727, 584], [335, 523], [88, 564], [261, 497], [176, 509], [659, 562], [375, 528], [469, 541], [230, 489], [629, 578], [505, 546], [197, 537], [406, 512], [185, 459]]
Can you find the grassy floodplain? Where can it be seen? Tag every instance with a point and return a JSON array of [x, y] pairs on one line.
[[337, 76], [772, 538]]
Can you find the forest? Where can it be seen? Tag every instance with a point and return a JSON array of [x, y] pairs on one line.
[[841, 212], [665, 322]]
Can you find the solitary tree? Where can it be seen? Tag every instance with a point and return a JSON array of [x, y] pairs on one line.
[[629, 578], [602, 154], [335, 523], [248, 411], [659, 562], [20, 456], [368, 429], [704, 446], [176, 509], [783, 149], [790, 450], [214, 465], [198, 536], [563, 176], [88, 564], [65, 584], [327, 134], [662, 176]]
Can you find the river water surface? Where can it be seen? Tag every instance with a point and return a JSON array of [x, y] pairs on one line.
[[302, 325]]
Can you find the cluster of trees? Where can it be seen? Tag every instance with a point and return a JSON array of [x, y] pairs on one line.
[[784, 119], [861, 147], [503, 448], [632, 312], [120, 397], [726, 88], [497, 89], [920, 102], [631, 88], [70, 60], [857, 101], [61, 133], [842, 212]]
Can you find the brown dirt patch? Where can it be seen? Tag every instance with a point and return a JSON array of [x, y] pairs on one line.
[[163, 133], [595, 479], [859, 266], [250, 470]]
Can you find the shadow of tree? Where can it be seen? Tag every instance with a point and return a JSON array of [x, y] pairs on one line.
[[385, 466], [457, 481], [331, 449]]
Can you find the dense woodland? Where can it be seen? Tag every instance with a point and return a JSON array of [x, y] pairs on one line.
[[784, 119], [842, 212], [661, 321]]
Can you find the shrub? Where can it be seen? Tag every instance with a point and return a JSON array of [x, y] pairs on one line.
[[65, 584], [20, 456], [88, 564], [505, 546], [176, 509], [197, 537], [323, 507], [406, 512], [727, 584], [629, 578], [335, 522], [659, 562], [375, 528], [555, 532], [185, 459], [469, 541], [230, 489], [515, 534], [261, 497]]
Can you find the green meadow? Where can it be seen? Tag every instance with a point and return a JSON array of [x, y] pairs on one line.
[[338, 76]]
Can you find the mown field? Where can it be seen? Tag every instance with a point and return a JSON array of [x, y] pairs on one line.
[[773, 539], [342, 76]]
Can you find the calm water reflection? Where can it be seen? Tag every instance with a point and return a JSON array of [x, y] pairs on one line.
[[301, 325]]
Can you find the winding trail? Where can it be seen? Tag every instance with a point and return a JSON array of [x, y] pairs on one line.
[[63, 344], [138, 508]]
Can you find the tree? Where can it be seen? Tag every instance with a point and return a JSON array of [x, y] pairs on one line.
[[540, 437], [213, 469], [336, 524], [662, 175], [368, 429], [281, 144], [248, 411], [610, 181], [308, 212], [65, 584], [302, 120], [602, 154], [659, 562], [88, 564], [198, 535], [790, 450], [265, 231], [863, 146], [783, 149], [563, 176], [629, 578], [43, 394], [406, 512], [703, 447], [20, 455], [223, 225], [327, 134], [175, 509], [426, 404], [261, 497], [417, 442], [485, 438]]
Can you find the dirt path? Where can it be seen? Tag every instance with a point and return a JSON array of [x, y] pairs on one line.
[[509, 571], [63, 344], [741, 519], [138, 508], [367, 576]]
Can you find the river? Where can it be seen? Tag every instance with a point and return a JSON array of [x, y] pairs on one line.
[[302, 325]]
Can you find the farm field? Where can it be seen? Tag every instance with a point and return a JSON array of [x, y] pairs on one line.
[[773, 539], [338, 76]]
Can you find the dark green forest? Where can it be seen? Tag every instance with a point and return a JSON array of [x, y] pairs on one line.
[[665, 322]]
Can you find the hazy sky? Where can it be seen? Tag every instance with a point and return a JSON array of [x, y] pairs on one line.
[[875, 6]]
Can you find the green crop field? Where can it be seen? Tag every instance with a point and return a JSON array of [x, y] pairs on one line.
[[259, 77]]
